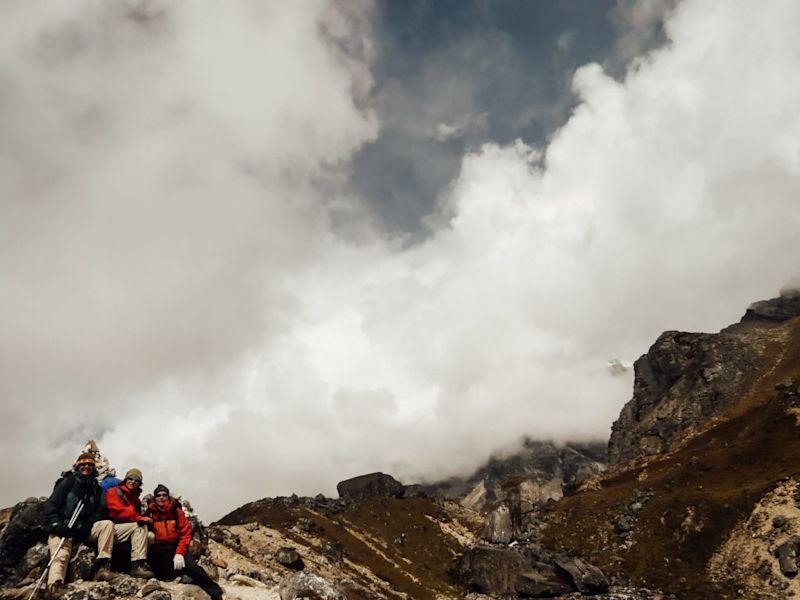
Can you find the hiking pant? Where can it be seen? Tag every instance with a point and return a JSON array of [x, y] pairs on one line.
[[102, 533], [160, 558], [137, 534]]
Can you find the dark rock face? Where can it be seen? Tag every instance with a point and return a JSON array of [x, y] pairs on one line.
[[684, 380], [25, 528], [365, 486], [783, 308]]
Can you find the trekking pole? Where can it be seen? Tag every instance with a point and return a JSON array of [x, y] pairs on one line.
[[72, 520]]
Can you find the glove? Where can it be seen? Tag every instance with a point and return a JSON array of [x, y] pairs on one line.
[[178, 563], [61, 530]]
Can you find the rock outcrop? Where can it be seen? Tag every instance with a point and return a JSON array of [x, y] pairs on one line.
[[366, 486], [687, 379], [712, 431], [540, 471], [26, 528]]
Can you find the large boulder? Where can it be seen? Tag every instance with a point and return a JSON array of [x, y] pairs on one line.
[[33, 563], [787, 559], [373, 484], [490, 570], [498, 528], [25, 528], [536, 585], [307, 585], [585, 578]]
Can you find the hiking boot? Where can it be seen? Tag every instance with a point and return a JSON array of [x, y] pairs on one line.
[[55, 590], [102, 570], [140, 569]]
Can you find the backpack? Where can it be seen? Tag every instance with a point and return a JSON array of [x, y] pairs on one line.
[[109, 482], [64, 475]]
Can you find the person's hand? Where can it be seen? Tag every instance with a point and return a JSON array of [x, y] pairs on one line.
[[61, 530], [178, 562], [145, 521]]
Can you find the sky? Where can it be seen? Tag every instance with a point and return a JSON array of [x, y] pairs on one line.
[[257, 248]]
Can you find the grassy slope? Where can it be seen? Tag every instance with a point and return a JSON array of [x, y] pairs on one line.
[[417, 566], [699, 492]]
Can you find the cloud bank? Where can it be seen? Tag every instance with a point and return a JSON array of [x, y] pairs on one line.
[[185, 277]]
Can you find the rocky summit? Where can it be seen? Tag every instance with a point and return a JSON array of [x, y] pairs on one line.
[[695, 495]]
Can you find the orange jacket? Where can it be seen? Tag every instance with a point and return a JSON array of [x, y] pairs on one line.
[[123, 504], [170, 525]]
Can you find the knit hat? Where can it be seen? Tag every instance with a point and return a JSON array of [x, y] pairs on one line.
[[161, 488], [134, 474], [85, 457]]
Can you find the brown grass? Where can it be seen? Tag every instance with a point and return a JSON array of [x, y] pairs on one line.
[[718, 477], [418, 565]]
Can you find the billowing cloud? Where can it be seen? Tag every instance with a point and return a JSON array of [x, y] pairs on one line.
[[178, 283], [165, 166]]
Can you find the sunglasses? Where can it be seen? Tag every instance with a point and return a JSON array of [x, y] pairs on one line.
[[132, 480], [86, 465], [162, 495]]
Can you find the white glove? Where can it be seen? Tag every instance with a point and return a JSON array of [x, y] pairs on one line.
[[178, 562]]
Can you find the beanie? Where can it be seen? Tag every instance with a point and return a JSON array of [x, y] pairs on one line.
[[134, 474], [161, 488], [85, 457]]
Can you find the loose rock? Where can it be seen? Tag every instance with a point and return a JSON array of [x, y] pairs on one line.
[[288, 557], [307, 585]]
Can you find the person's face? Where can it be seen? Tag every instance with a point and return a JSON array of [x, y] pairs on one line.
[[133, 483], [161, 498], [86, 468]]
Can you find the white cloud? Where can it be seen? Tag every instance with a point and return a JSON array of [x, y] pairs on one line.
[[177, 284]]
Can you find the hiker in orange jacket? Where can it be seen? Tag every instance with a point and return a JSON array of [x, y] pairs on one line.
[[125, 510], [169, 553]]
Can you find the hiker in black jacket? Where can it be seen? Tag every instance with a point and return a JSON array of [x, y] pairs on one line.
[[91, 523]]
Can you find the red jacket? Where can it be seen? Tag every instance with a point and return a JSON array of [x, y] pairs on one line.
[[124, 505], [170, 525]]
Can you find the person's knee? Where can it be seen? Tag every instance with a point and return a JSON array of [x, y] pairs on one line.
[[104, 527]]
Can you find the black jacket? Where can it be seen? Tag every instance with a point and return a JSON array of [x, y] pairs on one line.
[[61, 504]]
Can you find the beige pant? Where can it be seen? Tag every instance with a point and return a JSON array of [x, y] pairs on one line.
[[136, 534], [102, 533], [105, 533]]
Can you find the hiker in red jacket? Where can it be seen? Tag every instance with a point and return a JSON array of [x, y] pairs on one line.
[[169, 553], [125, 510]]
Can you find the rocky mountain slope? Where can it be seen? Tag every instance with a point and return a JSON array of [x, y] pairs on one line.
[[701, 500], [708, 443]]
